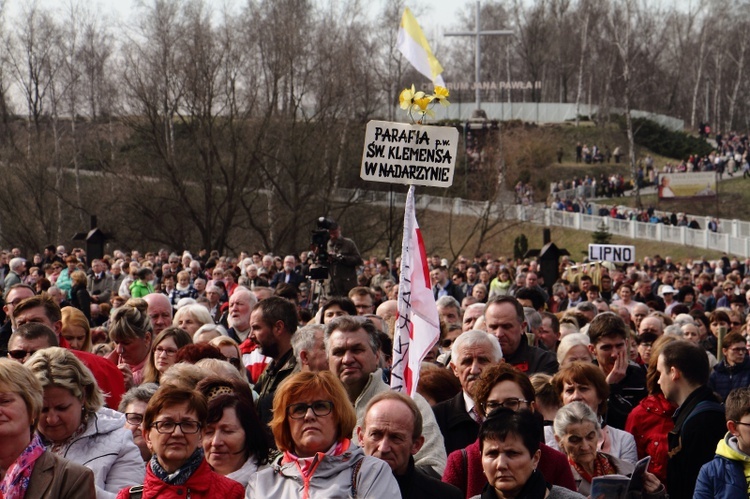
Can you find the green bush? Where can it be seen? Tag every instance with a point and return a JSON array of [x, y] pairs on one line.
[[665, 142]]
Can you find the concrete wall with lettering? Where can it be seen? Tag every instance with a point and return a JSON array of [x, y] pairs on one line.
[[543, 112]]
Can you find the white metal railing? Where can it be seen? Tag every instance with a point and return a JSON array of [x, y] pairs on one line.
[[734, 239]]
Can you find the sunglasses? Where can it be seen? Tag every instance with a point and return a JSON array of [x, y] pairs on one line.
[[21, 354]]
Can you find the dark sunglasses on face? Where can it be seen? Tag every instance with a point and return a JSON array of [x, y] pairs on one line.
[[21, 354]]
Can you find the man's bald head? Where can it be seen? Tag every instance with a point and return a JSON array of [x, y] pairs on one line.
[[159, 311]]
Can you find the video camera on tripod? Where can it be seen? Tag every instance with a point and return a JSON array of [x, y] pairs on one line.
[[319, 245]]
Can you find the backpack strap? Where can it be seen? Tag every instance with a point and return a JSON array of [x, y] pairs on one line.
[[136, 492], [355, 472]]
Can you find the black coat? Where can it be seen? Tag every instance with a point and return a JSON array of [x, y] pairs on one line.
[[80, 299], [451, 289], [692, 442], [531, 360], [295, 279], [415, 484], [625, 395], [458, 428]]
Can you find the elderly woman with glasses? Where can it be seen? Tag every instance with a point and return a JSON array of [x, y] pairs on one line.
[[585, 382], [312, 422], [173, 428], [29, 469], [502, 385], [133, 405], [577, 431], [76, 426]]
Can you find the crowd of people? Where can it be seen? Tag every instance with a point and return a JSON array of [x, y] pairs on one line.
[[173, 375], [644, 215]]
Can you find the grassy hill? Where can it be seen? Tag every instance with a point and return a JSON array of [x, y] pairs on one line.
[[530, 153]]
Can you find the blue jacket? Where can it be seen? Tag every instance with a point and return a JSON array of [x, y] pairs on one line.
[[722, 477], [725, 378]]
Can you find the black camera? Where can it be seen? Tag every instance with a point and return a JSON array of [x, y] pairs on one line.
[[319, 245]]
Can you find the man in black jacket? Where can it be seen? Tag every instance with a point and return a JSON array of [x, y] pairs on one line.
[[392, 431], [443, 286], [506, 321], [458, 419], [699, 419], [627, 381]]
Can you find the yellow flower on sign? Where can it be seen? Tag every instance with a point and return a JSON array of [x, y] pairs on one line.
[[441, 95], [406, 98], [420, 103]]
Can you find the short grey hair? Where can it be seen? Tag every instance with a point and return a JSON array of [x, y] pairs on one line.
[[569, 341], [448, 301], [480, 306], [15, 263], [475, 337], [587, 306], [533, 318], [683, 319], [304, 339], [140, 393], [574, 413], [674, 330]]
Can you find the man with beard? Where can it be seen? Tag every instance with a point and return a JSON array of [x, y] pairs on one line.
[[272, 324], [238, 319]]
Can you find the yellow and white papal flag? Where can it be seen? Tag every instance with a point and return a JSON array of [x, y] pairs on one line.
[[413, 45]]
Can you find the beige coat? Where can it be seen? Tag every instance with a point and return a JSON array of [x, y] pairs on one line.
[[56, 478]]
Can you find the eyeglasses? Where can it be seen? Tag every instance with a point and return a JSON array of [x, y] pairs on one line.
[[134, 418], [736, 323], [741, 423], [21, 354], [446, 343], [320, 408], [168, 427], [512, 404], [738, 350], [166, 351]]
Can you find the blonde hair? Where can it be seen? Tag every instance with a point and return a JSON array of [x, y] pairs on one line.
[[130, 322], [16, 378], [78, 277], [220, 368], [58, 367], [71, 316], [198, 312], [183, 375]]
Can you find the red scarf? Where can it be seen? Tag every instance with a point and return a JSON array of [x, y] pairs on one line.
[[602, 467]]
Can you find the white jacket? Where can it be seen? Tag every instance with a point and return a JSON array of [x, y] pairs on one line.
[[332, 478], [246, 472], [107, 448]]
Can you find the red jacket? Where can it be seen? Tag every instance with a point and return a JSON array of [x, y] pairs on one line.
[[107, 375], [552, 464], [650, 422], [204, 483]]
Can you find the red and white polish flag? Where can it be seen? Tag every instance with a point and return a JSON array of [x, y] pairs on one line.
[[417, 325]]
